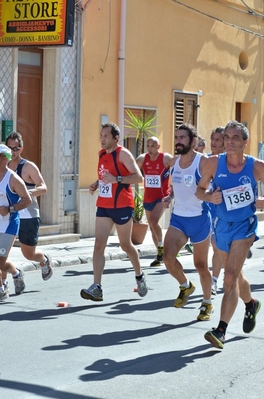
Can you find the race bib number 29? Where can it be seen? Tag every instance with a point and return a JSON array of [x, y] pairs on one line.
[[105, 190], [238, 197]]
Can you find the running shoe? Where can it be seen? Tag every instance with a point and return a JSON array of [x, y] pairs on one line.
[[142, 288], [19, 282], [184, 295], [249, 322], [94, 292], [159, 258], [216, 338], [6, 287], [3, 295], [189, 247], [214, 287], [206, 310], [46, 270]]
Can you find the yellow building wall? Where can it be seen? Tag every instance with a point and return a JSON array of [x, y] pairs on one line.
[[170, 47]]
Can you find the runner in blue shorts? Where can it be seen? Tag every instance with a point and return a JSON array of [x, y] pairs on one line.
[[235, 177], [190, 219]]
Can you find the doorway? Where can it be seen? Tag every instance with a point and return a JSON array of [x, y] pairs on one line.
[[29, 102]]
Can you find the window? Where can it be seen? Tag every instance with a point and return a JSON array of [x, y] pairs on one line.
[[130, 135], [185, 109]]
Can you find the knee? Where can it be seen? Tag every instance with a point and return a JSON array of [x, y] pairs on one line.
[[99, 247], [126, 246], [28, 254], [168, 260], [202, 268], [230, 279], [154, 224]]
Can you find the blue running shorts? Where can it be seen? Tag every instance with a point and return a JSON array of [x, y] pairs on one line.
[[197, 228], [227, 232], [149, 206], [118, 215]]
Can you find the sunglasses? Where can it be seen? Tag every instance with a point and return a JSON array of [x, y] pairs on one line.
[[14, 148]]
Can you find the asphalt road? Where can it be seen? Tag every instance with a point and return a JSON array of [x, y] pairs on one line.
[[126, 346]]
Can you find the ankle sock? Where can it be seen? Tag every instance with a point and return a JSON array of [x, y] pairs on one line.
[[250, 305], [16, 274], [186, 284], [222, 326]]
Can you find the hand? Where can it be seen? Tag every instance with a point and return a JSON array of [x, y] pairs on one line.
[[216, 197], [260, 203], [4, 210], [93, 187], [166, 201], [108, 178]]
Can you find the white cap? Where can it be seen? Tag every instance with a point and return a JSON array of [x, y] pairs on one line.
[[6, 151]]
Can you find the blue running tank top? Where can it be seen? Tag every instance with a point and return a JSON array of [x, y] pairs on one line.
[[239, 191]]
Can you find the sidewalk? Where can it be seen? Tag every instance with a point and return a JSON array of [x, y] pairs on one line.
[[81, 252]]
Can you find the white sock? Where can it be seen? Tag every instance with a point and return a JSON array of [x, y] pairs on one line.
[[186, 284], [16, 274], [160, 244], [208, 301], [214, 279]]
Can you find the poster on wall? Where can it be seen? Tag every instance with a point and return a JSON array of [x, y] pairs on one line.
[[36, 23]]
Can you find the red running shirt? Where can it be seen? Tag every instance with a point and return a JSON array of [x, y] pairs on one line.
[[156, 178], [116, 195]]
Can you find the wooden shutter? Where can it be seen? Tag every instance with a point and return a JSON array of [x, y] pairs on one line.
[[185, 109]]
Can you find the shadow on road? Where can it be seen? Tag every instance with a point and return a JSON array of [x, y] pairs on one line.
[[167, 362]]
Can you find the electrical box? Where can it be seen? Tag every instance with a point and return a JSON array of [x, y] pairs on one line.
[[7, 128], [69, 195]]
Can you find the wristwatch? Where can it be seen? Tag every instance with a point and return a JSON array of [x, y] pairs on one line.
[[11, 209], [119, 179]]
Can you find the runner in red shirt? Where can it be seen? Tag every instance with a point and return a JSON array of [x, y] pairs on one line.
[[155, 167], [117, 169]]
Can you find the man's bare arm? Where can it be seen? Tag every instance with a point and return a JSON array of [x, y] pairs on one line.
[[129, 162], [32, 175], [208, 170]]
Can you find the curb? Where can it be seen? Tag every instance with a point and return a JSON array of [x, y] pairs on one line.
[[82, 260]]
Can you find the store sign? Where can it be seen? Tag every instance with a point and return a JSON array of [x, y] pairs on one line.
[[36, 22]]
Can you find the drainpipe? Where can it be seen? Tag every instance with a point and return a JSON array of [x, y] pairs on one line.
[[121, 69], [78, 105]]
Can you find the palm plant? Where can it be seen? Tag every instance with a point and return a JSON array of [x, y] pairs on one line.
[[143, 126]]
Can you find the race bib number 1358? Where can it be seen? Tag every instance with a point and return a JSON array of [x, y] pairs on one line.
[[238, 197]]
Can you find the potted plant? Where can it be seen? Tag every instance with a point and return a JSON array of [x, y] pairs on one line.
[[143, 126], [140, 228]]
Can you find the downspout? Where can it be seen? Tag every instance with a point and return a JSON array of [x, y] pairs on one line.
[[78, 107], [121, 69]]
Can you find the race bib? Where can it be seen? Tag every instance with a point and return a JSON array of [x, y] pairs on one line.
[[238, 197], [152, 181], [105, 190]]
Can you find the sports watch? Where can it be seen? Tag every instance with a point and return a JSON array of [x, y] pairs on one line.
[[11, 209], [119, 179]]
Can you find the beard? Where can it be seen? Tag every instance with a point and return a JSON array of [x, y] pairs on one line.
[[182, 149]]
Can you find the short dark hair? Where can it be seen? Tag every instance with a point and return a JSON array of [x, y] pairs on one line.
[[15, 136], [190, 129], [218, 129], [115, 131], [238, 126]]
